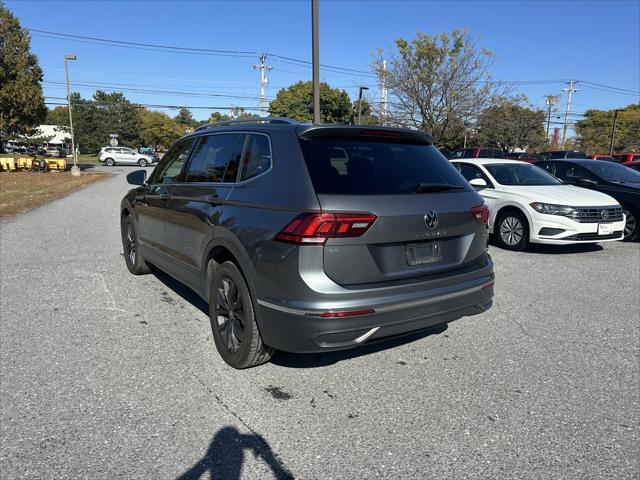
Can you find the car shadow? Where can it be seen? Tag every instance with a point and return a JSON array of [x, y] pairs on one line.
[[306, 360], [555, 249], [324, 359], [226, 454]]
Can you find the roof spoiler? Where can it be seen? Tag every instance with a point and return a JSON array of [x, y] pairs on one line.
[[398, 135]]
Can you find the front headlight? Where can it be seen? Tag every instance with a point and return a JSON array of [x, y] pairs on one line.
[[551, 209]]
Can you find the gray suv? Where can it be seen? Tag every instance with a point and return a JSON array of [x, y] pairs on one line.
[[308, 238]]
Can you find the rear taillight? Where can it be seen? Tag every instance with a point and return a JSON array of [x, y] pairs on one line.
[[481, 214], [316, 228]]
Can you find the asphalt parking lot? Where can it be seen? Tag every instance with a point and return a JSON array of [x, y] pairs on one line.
[[107, 375]]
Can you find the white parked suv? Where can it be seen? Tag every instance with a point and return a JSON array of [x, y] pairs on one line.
[[528, 204], [112, 155]]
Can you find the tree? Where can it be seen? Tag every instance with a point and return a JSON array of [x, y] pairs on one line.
[[296, 101], [184, 117], [218, 117], [438, 83], [367, 117], [511, 124], [58, 116], [593, 132], [157, 129], [22, 105]]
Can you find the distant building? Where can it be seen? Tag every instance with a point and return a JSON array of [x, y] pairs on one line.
[[59, 138]]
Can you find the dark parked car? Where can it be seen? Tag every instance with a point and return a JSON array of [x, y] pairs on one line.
[[479, 152], [311, 238], [618, 181], [525, 157], [562, 154]]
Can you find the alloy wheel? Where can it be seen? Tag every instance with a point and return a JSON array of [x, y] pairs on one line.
[[131, 244], [630, 223], [230, 314], [511, 231]]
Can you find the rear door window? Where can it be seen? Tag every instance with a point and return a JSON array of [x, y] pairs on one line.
[[214, 156], [354, 167], [257, 157]]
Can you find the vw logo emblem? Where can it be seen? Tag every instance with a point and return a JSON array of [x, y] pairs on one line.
[[604, 214], [431, 219]]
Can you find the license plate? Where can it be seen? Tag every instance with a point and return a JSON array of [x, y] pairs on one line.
[[423, 253], [605, 229]]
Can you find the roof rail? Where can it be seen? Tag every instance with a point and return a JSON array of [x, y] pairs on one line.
[[240, 121]]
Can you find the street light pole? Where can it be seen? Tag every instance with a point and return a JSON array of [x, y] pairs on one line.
[[316, 62], [75, 171], [360, 102]]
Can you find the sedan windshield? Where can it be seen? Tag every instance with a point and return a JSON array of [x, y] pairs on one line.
[[520, 174], [613, 172]]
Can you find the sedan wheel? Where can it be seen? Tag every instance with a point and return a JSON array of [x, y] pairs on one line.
[[513, 231], [142, 162], [109, 162], [630, 226]]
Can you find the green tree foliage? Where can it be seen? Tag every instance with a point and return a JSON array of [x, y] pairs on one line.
[[184, 117], [593, 132], [511, 124], [58, 116], [296, 101], [438, 83], [218, 117], [22, 105], [158, 130], [94, 120]]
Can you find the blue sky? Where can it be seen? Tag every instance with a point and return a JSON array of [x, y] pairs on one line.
[[596, 41]]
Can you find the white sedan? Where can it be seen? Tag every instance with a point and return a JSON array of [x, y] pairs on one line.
[[527, 204]]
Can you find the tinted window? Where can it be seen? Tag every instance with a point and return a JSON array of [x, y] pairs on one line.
[[469, 172], [214, 156], [554, 155], [571, 172], [635, 158], [576, 155], [614, 172], [343, 166], [546, 165], [257, 157], [170, 169], [520, 174]]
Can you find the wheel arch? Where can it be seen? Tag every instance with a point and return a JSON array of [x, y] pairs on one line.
[[511, 207]]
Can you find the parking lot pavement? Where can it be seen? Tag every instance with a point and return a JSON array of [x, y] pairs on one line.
[[107, 375]]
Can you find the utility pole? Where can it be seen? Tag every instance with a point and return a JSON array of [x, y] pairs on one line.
[[613, 130], [263, 79], [360, 103], [550, 101], [75, 171], [383, 92], [316, 62], [571, 83]]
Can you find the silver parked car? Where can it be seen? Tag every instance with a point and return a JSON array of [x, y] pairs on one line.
[[310, 238], [123, 155]]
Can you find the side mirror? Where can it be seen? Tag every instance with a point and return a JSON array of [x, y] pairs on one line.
[[478, 183], [139, 177]]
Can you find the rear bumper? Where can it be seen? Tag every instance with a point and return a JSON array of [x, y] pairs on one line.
[[304, 330]]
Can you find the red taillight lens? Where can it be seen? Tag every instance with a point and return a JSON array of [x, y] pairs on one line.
[[348, 313], [481, 214], [315, 228]]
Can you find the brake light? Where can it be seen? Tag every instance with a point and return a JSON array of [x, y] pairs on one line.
[[380, 133], [481, 214], [316, 228]]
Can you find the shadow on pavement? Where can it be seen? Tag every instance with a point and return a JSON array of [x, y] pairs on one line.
[[315, 360], [181, 289], [556, 249], [225, 457]]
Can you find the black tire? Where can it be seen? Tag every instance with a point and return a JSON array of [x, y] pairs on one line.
[[512, 231], [132, 256], [142, 162], [233, 319], [109, 162], [631, 227]]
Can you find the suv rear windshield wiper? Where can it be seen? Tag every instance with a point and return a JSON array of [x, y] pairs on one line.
[[435, 187]]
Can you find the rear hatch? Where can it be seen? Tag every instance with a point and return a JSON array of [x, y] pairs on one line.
[[428, 219]]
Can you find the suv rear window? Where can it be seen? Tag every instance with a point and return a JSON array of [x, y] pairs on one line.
[[354, 167]]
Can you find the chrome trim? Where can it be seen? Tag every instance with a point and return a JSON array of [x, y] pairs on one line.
[[363, 337], [393, 307]]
